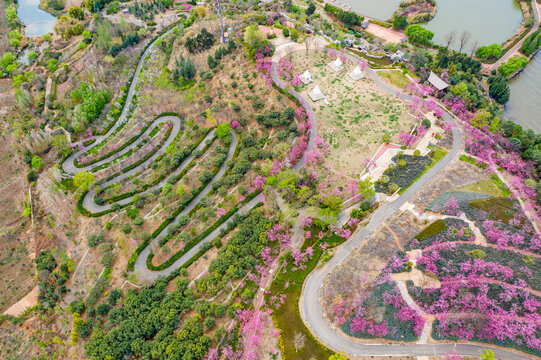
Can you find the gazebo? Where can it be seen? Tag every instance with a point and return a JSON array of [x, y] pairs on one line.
[[316, 94], [306, 78], [356, 74], [437, 82], [336, 65]]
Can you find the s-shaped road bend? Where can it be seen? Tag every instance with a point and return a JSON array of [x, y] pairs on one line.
[[309, 303]]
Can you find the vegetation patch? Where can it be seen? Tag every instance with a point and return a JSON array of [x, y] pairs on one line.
[[403, 173]]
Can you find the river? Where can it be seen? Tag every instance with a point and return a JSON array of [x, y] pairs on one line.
[[37, 22]]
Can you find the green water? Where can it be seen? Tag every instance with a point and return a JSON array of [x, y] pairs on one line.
[[37, 22]]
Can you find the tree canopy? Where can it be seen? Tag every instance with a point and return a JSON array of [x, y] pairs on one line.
[[419, 35]]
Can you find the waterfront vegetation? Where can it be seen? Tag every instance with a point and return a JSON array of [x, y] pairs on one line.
[[512, 65]]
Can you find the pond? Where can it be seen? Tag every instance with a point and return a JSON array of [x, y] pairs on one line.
[[37, 22], [524, 106]]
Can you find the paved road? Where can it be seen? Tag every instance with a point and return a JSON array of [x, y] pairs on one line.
[[309, 303], [144, 274], [514, 49]]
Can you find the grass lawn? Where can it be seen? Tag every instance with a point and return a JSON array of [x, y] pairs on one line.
[[500, 208], [396, 77], [287, 318], [482, 186]]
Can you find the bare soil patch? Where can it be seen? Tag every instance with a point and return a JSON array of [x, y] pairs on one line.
[[359, 113]]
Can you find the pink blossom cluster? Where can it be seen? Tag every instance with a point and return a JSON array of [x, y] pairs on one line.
[[278, 233], [259, 182], [300, 258], [452, 208]]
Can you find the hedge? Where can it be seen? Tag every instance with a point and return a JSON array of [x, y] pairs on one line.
[[200, 237], [166, 222], [85, 212]]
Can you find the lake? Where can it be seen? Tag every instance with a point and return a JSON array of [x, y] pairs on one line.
[[524, 106], [489, 21], [37, 22]]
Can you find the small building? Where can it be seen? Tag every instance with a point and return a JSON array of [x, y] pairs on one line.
[[337, 65], [306, 78], [356, 74], [316, 94], [437, 82], [365, 24]]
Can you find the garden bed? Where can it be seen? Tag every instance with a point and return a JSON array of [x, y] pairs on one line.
[[407, 169]]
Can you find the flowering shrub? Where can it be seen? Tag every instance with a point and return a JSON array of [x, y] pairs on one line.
[[384, 314]]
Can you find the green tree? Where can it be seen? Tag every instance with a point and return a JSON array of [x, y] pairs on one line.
[[400, 23], [311, 9], [61, 144], [419, 35], [32, 55], [222, 130], [11, 15], [37, 163], [76, 12], [499, 89], [188, 70], [83, 180], [366, 188], [493, 51], [419, 59], [7, 62]]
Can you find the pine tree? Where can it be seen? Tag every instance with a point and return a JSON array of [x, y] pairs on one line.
[[188, 70]]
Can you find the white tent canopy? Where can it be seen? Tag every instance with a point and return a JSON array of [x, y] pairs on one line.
[[356, 74], [336, 65], [316, 94], [306, 78]]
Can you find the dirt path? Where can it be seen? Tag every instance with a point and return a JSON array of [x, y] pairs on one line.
[[396, 238], [30, 300]]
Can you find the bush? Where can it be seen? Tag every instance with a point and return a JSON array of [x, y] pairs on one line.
[[114, 295], [77, 306], [493, 51], [512, 65], [210, 323], [103, 309], [285, 32]]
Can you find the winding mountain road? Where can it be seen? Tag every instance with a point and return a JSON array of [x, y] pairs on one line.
[[309, 302]]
